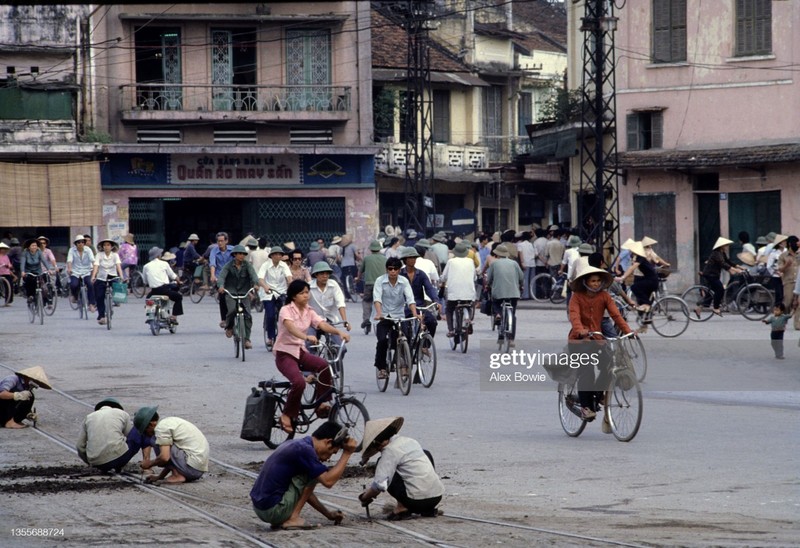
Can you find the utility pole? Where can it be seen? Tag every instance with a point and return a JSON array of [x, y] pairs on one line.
[[598, 203], [418, 112]]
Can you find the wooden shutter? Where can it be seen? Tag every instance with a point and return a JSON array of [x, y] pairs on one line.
[[632, 127], [661, 27], [441, 116], [657, 129], [678, 30], [763, 26]]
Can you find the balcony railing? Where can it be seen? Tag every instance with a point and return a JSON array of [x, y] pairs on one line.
[[226, 98]]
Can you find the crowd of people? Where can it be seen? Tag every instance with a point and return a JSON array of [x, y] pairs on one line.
[[399, 274]]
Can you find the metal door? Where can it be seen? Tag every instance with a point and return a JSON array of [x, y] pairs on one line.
[[146, 222], [221, 69]]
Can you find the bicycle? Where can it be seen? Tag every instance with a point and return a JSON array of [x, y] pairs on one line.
[[623, 397], [423, 352], [50, 296], [239, 322], [81, 303], [6, 291], [109, 299], [668, 315], [506, 328], [398, 358], [36, 303], [548, 288], [744, 295], [462, 328], [277, 311], [346, 409], [350, 286], [330, 352], [136, 282]]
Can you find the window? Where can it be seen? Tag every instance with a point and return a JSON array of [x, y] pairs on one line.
[[654, 216], [158, 61], [669, 31], [441, 116], [233, 65], [408, 113], [753, 27], [493, 120], [383, 105], [524, 113], [645, 130], [308, 66]]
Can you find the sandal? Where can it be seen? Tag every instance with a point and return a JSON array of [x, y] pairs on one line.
[[397, 516], [323, 410], [383, 374]]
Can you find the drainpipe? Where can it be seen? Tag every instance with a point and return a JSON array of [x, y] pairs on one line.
[[87, 89]]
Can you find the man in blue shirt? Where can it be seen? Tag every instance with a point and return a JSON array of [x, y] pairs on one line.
[[391, 294], [219, 257], [288, 478]]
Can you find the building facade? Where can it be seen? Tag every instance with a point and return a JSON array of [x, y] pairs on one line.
[[708, 122], [247, 118]]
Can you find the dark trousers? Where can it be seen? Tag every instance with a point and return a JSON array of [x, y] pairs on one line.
[[30, 285], [397, 488], [776, 340], [383, 331], [715, 285], [100, 296], [74, 285], [135, 443], [643, 289], [776, 284], [171, 291], [588, 383], [450, 310], [352, 271], [272, 308], [366, 303], [223, 307], [17, 410]]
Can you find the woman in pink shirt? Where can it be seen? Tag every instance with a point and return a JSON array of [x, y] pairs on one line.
[[7, 272], [291, 355]]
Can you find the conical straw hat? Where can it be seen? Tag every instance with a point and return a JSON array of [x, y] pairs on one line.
[[637, 249], [372, 430], [721, 242], [648, 241], [37, 375], [583, 269]]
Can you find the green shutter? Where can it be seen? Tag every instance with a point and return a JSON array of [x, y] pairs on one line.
[[632, 126]]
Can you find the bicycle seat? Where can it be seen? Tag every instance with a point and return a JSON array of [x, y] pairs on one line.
[[162, 298]]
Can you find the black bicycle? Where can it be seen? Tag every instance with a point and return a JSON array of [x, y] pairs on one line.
[[346, 409], [462, 325], [239, 325], [81, 303]]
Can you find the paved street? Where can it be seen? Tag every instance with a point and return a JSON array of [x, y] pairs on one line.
[[706, 467]]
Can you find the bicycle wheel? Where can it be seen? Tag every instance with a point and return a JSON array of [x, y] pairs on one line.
[[569, 409], [52, 299], [309, 393], [196, 291], [699, 299], [457, 323], [509, 325], [669, 316], [40, 307], [237, 343], [624, 405], [83, 302], [502, 339], [257, 305], [109, 307], [278, 435], [155, 326], [5, 290], [383, 383], [755, 301], [405, 367], [464, 330], [77, 304], [353, 415], [137, 285], [558, 294], [427, 360], [542, 287], [634, 348], [32, 310], [240, 331], [351, 288]]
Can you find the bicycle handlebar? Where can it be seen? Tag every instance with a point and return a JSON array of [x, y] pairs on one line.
[[238, 297], [621, 337]]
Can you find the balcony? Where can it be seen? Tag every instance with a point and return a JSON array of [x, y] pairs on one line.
[[448, 159], [195, 103]]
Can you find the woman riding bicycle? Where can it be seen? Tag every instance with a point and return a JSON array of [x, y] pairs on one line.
[[107, 265], [717, 261], [79, 266], [645, 285], [33, 264], [291, 355], [589, 302]]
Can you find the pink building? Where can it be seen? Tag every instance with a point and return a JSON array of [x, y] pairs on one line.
[[708, 122]]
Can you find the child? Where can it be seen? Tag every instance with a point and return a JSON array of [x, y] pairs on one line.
[[778, 320]]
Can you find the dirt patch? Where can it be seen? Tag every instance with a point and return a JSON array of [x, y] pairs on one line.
[[55, 479]]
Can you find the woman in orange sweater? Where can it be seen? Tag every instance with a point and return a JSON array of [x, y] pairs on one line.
[[589, 302]]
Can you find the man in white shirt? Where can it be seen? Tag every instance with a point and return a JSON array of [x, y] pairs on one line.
[[528, 261], [459, 275], [161, 279], [327, 299], [274, 277]]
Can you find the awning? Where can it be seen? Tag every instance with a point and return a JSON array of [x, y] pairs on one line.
[[44, 195], [456, 78]]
